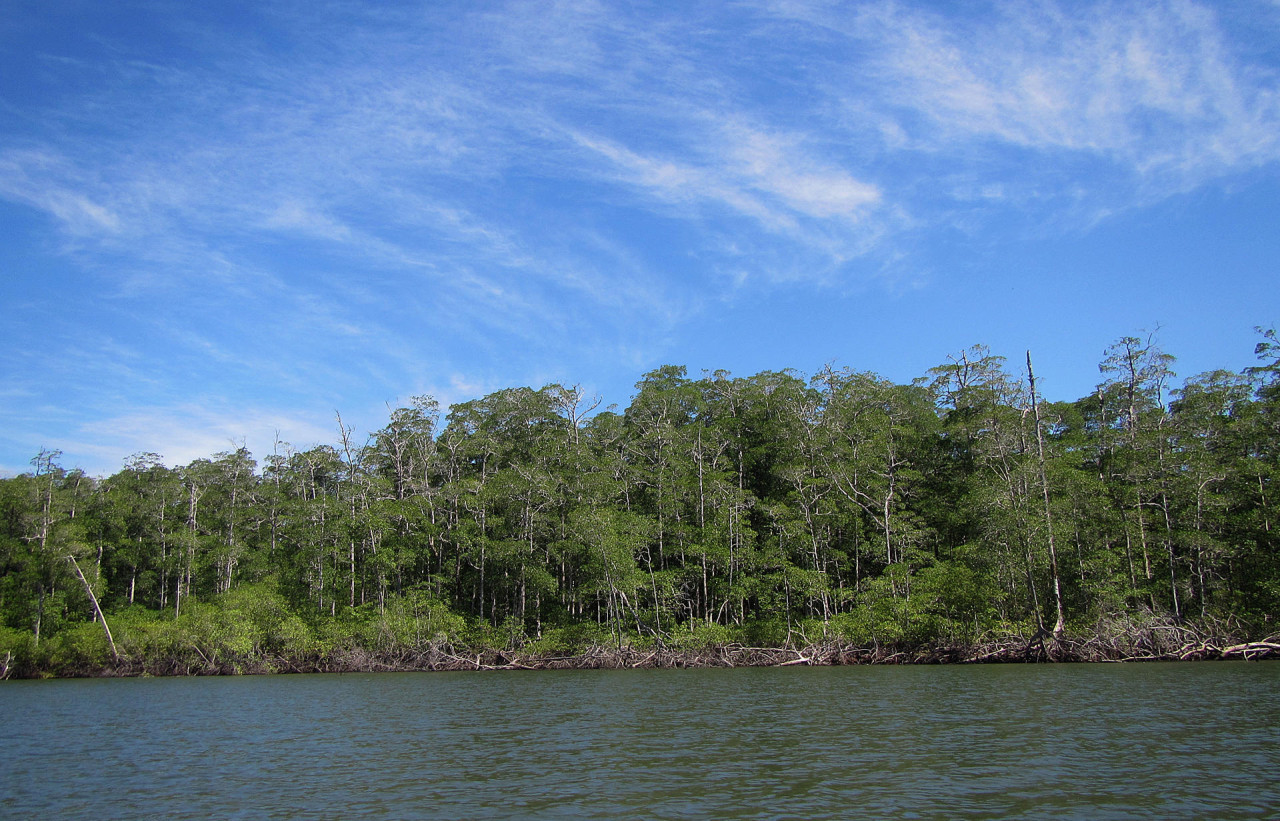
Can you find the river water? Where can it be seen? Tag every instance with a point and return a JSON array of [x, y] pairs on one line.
[[1190, 740]]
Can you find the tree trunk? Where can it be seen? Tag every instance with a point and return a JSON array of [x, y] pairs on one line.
[[1060, 624], [96, 609]]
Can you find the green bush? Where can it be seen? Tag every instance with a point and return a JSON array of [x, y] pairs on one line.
[[272, 628], [18, 650], [217, 635], [79, 650], [334, 635], [702, 635], [414, 620], [481, 635], [572, 640], [944, 602], [766, 632]]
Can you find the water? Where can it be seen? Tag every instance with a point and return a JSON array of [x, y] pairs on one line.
[[1019, 741]]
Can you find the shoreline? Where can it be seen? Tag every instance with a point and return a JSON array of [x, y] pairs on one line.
[[1010, 650]]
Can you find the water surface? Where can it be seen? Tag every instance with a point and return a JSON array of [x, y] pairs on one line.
[[1000, 741]]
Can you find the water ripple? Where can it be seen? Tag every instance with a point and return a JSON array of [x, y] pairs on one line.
[[1071, 741]]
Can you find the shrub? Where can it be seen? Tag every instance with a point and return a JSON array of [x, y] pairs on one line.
[[702, 635], [19, 655], [572, 640], [78, 650], [414, 620]]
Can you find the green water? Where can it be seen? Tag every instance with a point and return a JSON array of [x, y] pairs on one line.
[[1018, 741]]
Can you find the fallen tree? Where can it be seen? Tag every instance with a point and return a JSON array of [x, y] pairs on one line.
[[192, 653], [1004, 650]]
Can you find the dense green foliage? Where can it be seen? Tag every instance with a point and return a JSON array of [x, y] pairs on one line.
[[768, 510]]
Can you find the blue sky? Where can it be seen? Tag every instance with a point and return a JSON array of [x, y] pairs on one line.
[[223, 224]]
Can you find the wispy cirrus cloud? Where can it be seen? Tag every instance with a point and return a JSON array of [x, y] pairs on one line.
[[46, 182], [329, 200], [182, 433], [765, 177], [1154, 90], [386, 122]]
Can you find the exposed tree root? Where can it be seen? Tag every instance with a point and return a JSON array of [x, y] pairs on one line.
[[1111, 641]]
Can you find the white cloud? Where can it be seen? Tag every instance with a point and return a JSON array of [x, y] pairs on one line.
[[402, 132], [46, 182], [780, 166], [1152, 87], [766, 178], [293, 215], [184, 433], [408, 192]]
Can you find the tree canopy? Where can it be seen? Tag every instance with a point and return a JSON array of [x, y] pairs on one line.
[[768, 509]]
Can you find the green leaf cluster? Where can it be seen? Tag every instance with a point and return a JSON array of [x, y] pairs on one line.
[[765, 510]]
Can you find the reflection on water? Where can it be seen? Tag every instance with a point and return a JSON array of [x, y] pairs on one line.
[[1017, 741]]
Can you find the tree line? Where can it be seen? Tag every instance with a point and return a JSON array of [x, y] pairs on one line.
[[771, 510]]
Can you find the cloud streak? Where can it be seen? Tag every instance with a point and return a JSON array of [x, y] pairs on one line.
[[387, 127], [332, 200], [1154, 89]]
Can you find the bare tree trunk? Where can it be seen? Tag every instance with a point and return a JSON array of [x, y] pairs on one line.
[[1060, 624], [96, 609]]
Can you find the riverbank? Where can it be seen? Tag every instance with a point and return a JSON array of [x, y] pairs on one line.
[[1014, 649], [1172, 643]]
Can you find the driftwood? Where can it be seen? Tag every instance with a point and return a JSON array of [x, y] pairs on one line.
[[1253, 649], [1119, 641]]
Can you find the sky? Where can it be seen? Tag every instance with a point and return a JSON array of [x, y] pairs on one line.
[[224, 224]]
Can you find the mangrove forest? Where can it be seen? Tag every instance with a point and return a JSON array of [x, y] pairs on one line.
[[774, 518]]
